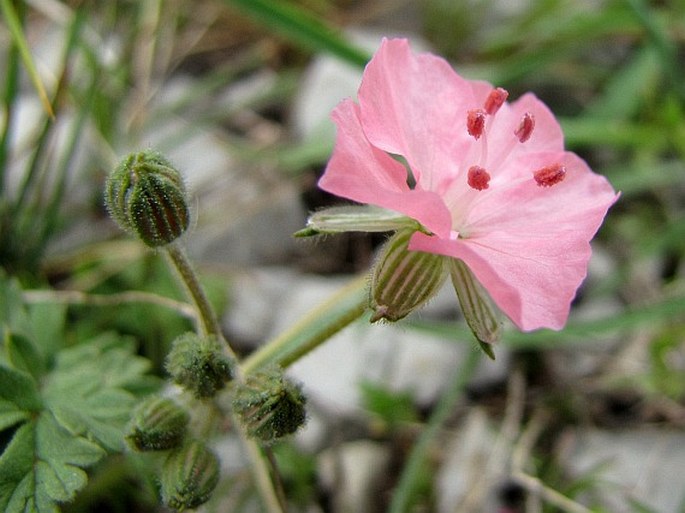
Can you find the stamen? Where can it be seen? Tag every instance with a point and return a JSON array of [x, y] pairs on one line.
[[550, 175], [525, 128], [495, 100], [478, 178], [475, 123]]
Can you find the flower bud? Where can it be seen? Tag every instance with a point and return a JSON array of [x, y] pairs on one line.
[[146, 196], [197, 364], [158, 423], [189, 476], [403, 280], [270, 405]]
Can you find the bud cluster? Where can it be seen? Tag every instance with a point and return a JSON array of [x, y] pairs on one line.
[[190, 471]]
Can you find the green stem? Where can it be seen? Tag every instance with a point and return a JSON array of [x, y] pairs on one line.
[[208, 319], [411, 476], [315, 328], [260, 471]]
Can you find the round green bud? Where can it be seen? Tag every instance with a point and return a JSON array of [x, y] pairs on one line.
[[189, 476], [198, 364], [269, 405], [146, 196], [158, 423], [403, 280]]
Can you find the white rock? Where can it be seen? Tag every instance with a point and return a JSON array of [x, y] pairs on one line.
[[353, 473], [643, 465], [472, 469]]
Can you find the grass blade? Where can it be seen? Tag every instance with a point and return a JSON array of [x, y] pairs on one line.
[[15, 28], [302, 27]]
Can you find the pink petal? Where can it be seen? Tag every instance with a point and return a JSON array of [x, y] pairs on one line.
[[363, 173], [529, 246], [414, 106]]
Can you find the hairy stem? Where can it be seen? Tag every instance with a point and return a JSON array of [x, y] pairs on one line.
[[312, 330], [209, 325]]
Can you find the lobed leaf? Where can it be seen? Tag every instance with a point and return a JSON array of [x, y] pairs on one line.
[[90, 391], [43, 466]]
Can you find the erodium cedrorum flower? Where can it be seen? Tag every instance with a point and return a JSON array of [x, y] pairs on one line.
[[482, 182]]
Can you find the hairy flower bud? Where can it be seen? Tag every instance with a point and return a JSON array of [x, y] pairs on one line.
[[146, 196], [197, 364], [403, 280], [270, 405], [189, 476], [158, 424]]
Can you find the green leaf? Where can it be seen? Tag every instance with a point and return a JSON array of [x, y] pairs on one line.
[[42, 466], [47, 323], [12, 311], [19, 396], [392, 407], [23, 355], [93, 388], [301, 26]]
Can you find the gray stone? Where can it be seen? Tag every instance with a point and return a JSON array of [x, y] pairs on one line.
[[642, 465]]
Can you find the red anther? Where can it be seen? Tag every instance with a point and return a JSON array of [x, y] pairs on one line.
[[525, 128], [478, 178], [550, 175], [475, 123], [495, 100]]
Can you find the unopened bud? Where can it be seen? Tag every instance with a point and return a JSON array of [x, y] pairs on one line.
[[197, 364], [158, 423], [269, 405], [146, 196], [189, 476], [404, 280]]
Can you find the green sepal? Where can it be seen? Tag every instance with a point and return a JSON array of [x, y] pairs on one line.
[[403, 280], [476, 306], [357, 218]]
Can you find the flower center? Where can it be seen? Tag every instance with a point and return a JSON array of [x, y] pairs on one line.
[[480, 121]]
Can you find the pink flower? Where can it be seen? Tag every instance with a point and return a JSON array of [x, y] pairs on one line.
[[489, 180]]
